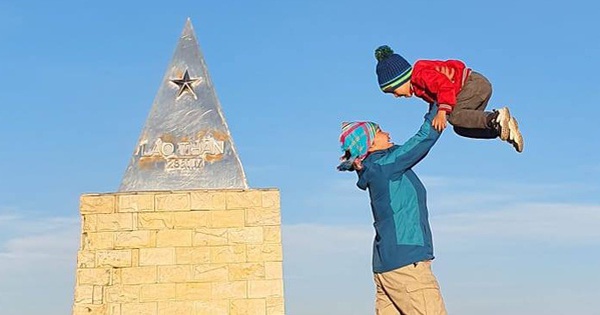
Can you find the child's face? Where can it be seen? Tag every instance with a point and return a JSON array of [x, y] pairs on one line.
[[403, 91], [381, 141]]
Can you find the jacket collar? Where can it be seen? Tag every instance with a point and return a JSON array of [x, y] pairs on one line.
[[376, 155]]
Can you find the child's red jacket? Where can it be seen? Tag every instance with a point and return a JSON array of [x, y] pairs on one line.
[[433, 86]]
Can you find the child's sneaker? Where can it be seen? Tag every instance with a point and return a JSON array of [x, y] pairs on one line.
[[502, 123], [515, 138]]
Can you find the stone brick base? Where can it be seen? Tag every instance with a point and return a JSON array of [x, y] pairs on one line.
[[181, 252]]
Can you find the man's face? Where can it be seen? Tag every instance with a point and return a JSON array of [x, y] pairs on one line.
[[403, 91], [381, 141]]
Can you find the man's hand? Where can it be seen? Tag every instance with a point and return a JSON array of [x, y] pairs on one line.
[[439, 122], [448, 72], [357, 164]]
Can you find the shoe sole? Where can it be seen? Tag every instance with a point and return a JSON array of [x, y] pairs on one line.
[[504, 120], [515, 137]]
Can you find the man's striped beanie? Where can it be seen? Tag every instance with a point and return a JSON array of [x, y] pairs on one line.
[[392, 70], [357, 137]]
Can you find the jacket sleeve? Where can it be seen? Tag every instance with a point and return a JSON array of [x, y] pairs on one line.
[[414, 149], [362, 182], [439, 85]]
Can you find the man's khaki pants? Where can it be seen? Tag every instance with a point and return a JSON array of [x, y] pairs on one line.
[[409, 290]]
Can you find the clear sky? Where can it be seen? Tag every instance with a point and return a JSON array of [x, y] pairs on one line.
[[514, 233]]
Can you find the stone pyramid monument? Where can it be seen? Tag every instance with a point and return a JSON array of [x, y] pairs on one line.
[[185, 143], [184, 235]]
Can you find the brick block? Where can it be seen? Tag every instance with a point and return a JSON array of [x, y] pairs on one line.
[[139, 275], [114, 222], [155, 221], [265, 288], [247, 271], [192, 291], [97, 240], [228, 254], [263, 216], [210, 273], [201, 200], [135, 203], [244, 199], [113, 309], [157, 292], [173, 202], [133, 239], [247, 235], [115, 276], [84, 294], [208, 200], [89, 222], [89, 309], [273, 270], [174, 273], [150, 308], [214, 307], [157, 256], [265, 252], [86, 259], [272, 234], [113, 258], [229, 290], [97, 204], [192, 255], [135, 257], [123, 293], [275, 306], [271, 199], [248, 307], [94, 276], [175, 308], [191, 220], [98, 295], [167, 238], [210, 237], [227, 219]]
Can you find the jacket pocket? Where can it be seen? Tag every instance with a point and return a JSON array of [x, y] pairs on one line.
[[385, 231], [423, 278], [424, 291]]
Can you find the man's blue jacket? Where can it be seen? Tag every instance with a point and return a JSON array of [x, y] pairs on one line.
[[399, 201]]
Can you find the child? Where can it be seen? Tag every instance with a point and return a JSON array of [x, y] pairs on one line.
[[461, 94], [403, 246]]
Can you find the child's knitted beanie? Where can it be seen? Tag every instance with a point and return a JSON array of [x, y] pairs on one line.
[[392, 70]]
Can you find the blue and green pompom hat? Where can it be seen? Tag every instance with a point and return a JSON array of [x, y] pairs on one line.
[[392, 70], [355, 139]]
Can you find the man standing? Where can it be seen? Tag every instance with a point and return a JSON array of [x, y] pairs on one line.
[[403, 246]]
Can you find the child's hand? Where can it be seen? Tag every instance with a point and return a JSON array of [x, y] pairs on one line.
[[439, 122]]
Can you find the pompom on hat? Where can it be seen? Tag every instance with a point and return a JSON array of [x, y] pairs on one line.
[[392, 69], [355, 139]]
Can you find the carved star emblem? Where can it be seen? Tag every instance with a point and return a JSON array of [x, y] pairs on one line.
[[185, 84]]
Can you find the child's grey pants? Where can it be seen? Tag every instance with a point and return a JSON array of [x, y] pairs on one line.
[[468, 116]]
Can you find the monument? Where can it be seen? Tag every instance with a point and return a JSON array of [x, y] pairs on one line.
[[184, 234], [185, 143]]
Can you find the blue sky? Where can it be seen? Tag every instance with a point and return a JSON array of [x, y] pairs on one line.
[[514, 233]]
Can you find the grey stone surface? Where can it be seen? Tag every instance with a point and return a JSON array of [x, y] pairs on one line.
[[185, 143]]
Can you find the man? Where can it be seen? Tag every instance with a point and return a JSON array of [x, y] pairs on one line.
[[403, 247]]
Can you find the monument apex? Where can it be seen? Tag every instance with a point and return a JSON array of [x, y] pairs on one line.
[[185, 142]]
